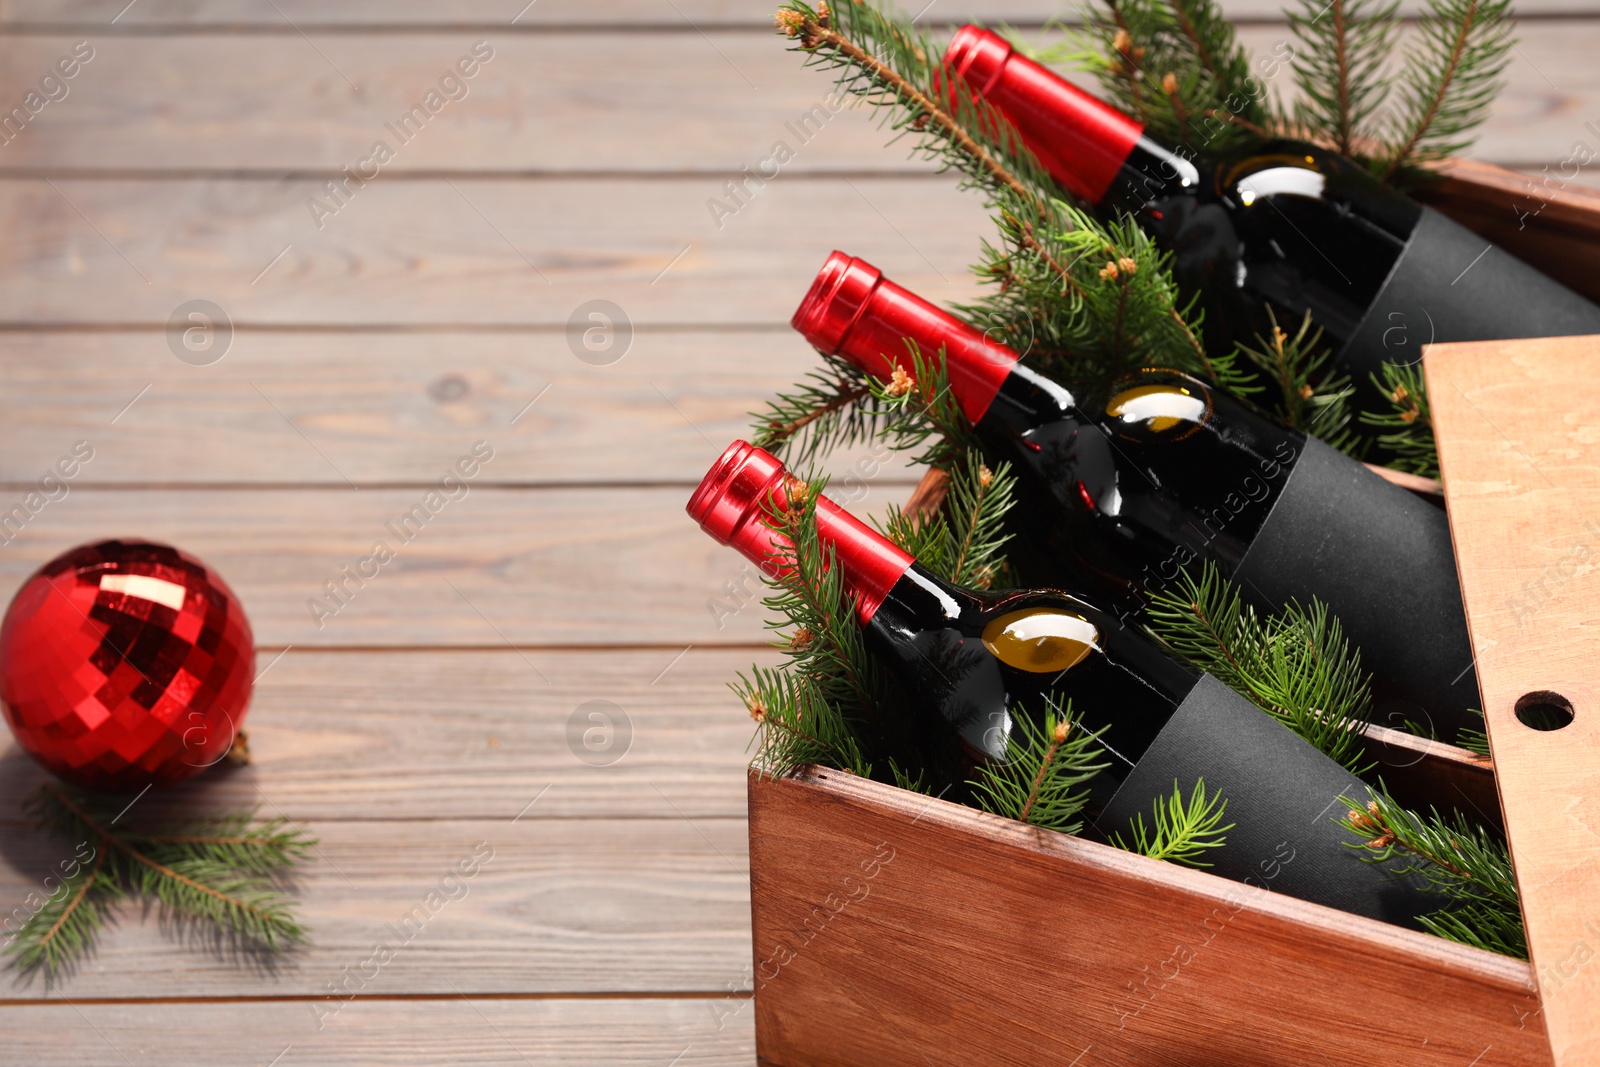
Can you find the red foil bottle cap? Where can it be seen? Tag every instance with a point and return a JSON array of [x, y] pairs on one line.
[[853, 311], [732, 503], [1079, 140]]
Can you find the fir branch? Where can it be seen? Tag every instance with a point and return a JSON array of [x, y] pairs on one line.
[[832, 407], [215, 870], [1310, 398], [1180, 830], [795, 726], [1296, 664], [1339, 60], [1467, 865], [1042, 779], [1448, 82], [977, 503], [1408, 442], [884, 61], [1475, 739]]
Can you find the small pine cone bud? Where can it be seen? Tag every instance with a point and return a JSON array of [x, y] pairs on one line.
[[798, 492], [900, 383], [758, 710], [1305, 392], [1409, 415], [789, 21], [824, 16], [801, 640], [1109, 272], [1127, 265], [1381, 842], [985, 476], [1399, 395], [1169, 83], [1122, 42], [920, 122], [1059, 734], [810, 41]]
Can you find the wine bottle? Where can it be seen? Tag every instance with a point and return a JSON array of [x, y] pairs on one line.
[[1283, 224], [968, 661], [1123, 486]]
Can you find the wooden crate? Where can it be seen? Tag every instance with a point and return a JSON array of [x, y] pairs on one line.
[[895, 929]]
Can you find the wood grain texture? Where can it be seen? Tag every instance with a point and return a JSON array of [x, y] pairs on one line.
[[405, 1033], [555, 906], [399, 407], [623, 15], [1521, 460], [534, 567], [464, 251], [542, 104], [1067, 948], [434, 734]]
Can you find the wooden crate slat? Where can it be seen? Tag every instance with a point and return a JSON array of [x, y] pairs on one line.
[[889, 926], [599, 1032], [398, 407], [463, 252], [1518, 448], [604, 566], [240, 101], [556, 906], [426, 734]]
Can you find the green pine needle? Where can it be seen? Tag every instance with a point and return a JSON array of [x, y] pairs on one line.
[[1180, 830], [1342, 46], [1467, 865], [1452, 74], [1309, 397], [1408, 443], [219, 872], [1043, 779], [1296, 664]]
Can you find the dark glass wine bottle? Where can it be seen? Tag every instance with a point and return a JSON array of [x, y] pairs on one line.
[[969, 661], [1122, 486], [1284, 224]]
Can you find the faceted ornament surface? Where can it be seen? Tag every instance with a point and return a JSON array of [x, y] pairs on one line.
[[125, 663]]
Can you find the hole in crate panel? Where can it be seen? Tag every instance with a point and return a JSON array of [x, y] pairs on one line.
[[1544, 710]]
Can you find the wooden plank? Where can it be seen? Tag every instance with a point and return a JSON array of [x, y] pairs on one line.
[[555, 906], [889, 926], [542, 567], [473, 735], [1521, 470], [460, 251], [248, 102], [399, 407], [407, 1033], [683, 15]]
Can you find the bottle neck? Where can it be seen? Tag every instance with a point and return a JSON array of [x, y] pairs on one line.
[[1081, 142], [854, 312]]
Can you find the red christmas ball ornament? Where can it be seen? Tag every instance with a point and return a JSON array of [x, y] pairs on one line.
[[125, 663]]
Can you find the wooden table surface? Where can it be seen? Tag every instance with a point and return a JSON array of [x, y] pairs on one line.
[[378, 332]]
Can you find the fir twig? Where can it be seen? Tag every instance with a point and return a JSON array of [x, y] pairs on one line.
[[217, 870], [1042, 779], [1311, 399], [1342, 48], [1296, 664], [1407, 443], [1465, 864], [1180, 830], [1448, 82]]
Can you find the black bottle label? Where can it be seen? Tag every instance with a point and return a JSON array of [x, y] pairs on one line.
[[1283, 799], [1452, 285], [1381, 559]]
